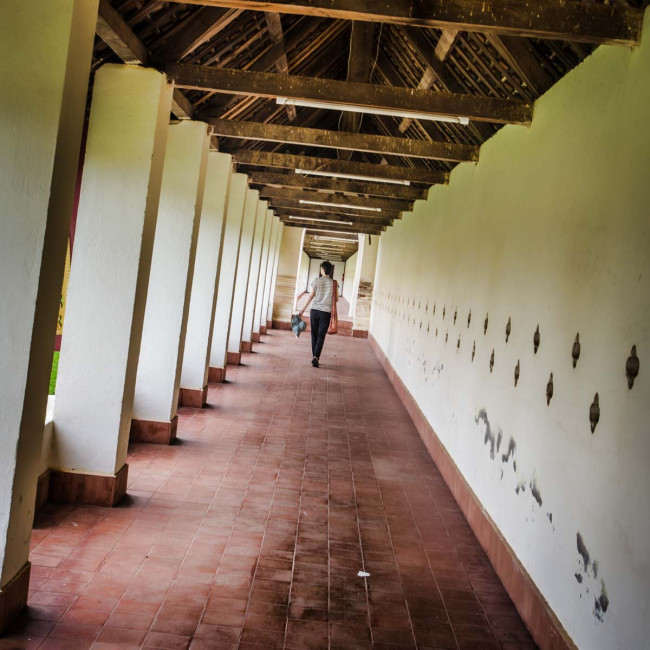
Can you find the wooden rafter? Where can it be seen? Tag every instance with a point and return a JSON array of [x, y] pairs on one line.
[[337, 185], [274, 26], [335, 227], [288, 161], [306, 215], [372, 96], [114, 31], [552, 19], [355, 214], [348, 141], [359, 202]]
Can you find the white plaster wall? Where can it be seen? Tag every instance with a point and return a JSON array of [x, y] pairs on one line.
[[172, 269], [243, 268], [228, 272], [550, 229], [45, 54], [109, 275], [207, 263]]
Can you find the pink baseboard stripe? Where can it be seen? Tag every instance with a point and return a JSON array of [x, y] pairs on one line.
[[545, 628]]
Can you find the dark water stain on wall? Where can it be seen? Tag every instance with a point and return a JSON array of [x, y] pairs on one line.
[[489, 437], [512, 447], [582, 551], [534, 490], [601, 603]]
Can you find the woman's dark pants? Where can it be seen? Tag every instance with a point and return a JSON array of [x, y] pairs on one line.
[[320, 321]]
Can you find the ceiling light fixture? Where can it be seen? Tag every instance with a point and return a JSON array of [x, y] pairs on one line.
[[318, 229], [347, 223], [336, 239], [352, 177], [351, 108], [339, 205]]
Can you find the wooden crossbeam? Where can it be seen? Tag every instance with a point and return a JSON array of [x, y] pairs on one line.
[[333, 227], [355, 214], [357, 201], [554, 19], [337, 185], [114, 31], [370, 96], [288, 161], [329, 216], [342, 140], [274, 27]]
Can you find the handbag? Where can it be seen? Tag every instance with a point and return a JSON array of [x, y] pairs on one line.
[[334, 320]]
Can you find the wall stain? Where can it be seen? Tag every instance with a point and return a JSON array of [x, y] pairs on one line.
[[534, 490], [583, 552], [512, 447], [489, 437], [578, 577]]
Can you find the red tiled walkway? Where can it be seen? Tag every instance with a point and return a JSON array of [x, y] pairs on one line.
[[250, 531]]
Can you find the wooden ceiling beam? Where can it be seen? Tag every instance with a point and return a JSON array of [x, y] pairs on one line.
[[274, 27], [552, 19], [120, 38], [199, 28], [331, 227], [283, 211], [370, 96], [341, 140], [359, 202], [353, 214], [337, 185], [288, 161]]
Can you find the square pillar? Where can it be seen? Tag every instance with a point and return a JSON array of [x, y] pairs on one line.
[[254, 276], [241, 279], [170, 282], [226, 288], [274, 275], [45, 56], [109, 277], [286, 291], [259, 299], [200, 323]]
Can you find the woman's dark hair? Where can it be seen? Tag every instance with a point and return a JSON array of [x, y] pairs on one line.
[[327, 267]]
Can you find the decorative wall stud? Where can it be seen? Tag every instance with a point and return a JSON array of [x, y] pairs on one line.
[[549, 390], [594, 412], [536, 338], [458, 344], [485, 324], [508, 329], [473, 350], [444, 311], [575, 350], [632, 367], [446, 337], [436, 332], [434, 308], [517, 370], [469, 318], [455, 316], [492, 361]]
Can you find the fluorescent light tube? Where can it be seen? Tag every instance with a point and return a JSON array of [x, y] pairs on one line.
[[351, 108], [336, 239], [352, 177], [347, 223], [339, 205]]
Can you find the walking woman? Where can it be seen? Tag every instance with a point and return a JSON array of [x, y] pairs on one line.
[[322, 293]]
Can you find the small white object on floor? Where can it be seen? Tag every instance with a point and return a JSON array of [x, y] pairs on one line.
[[363, 574]]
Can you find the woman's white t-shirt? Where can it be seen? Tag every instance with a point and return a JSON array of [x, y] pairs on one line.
[[324, 289]]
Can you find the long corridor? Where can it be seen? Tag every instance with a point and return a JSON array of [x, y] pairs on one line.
[[299, 510]]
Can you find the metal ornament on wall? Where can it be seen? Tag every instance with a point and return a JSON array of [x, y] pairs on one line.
[[473, 351], [575, 350], [632, 366], [485, 324], [549, 390], [508, 329], [469, 318], [536, 340], [492, 361], [517, 371], [455, 316], [594, 413]]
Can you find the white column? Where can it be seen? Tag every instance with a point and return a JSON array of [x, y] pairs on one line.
[[259, 301], [288, 268], [274, 275], [170, 283], [109, 278], [254, 276], [363, 286], [226, 288], [241, 279], [45, 55], [198, 339]]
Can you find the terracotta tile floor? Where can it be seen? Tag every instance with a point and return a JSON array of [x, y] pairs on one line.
[[250, 532]]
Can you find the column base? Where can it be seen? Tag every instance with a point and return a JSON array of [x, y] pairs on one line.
[[161, 433], [246, 346], [193, 397], [262, 329], [216, 375], [88, 489], [233, 358], [281, 325], [269, 325], [359, 334], [13, 597], [255, 337], [42, 489]]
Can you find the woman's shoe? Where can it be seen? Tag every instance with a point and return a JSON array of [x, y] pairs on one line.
[[314, 362]]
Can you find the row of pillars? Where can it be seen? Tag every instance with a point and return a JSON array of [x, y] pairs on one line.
[[172, 274]]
